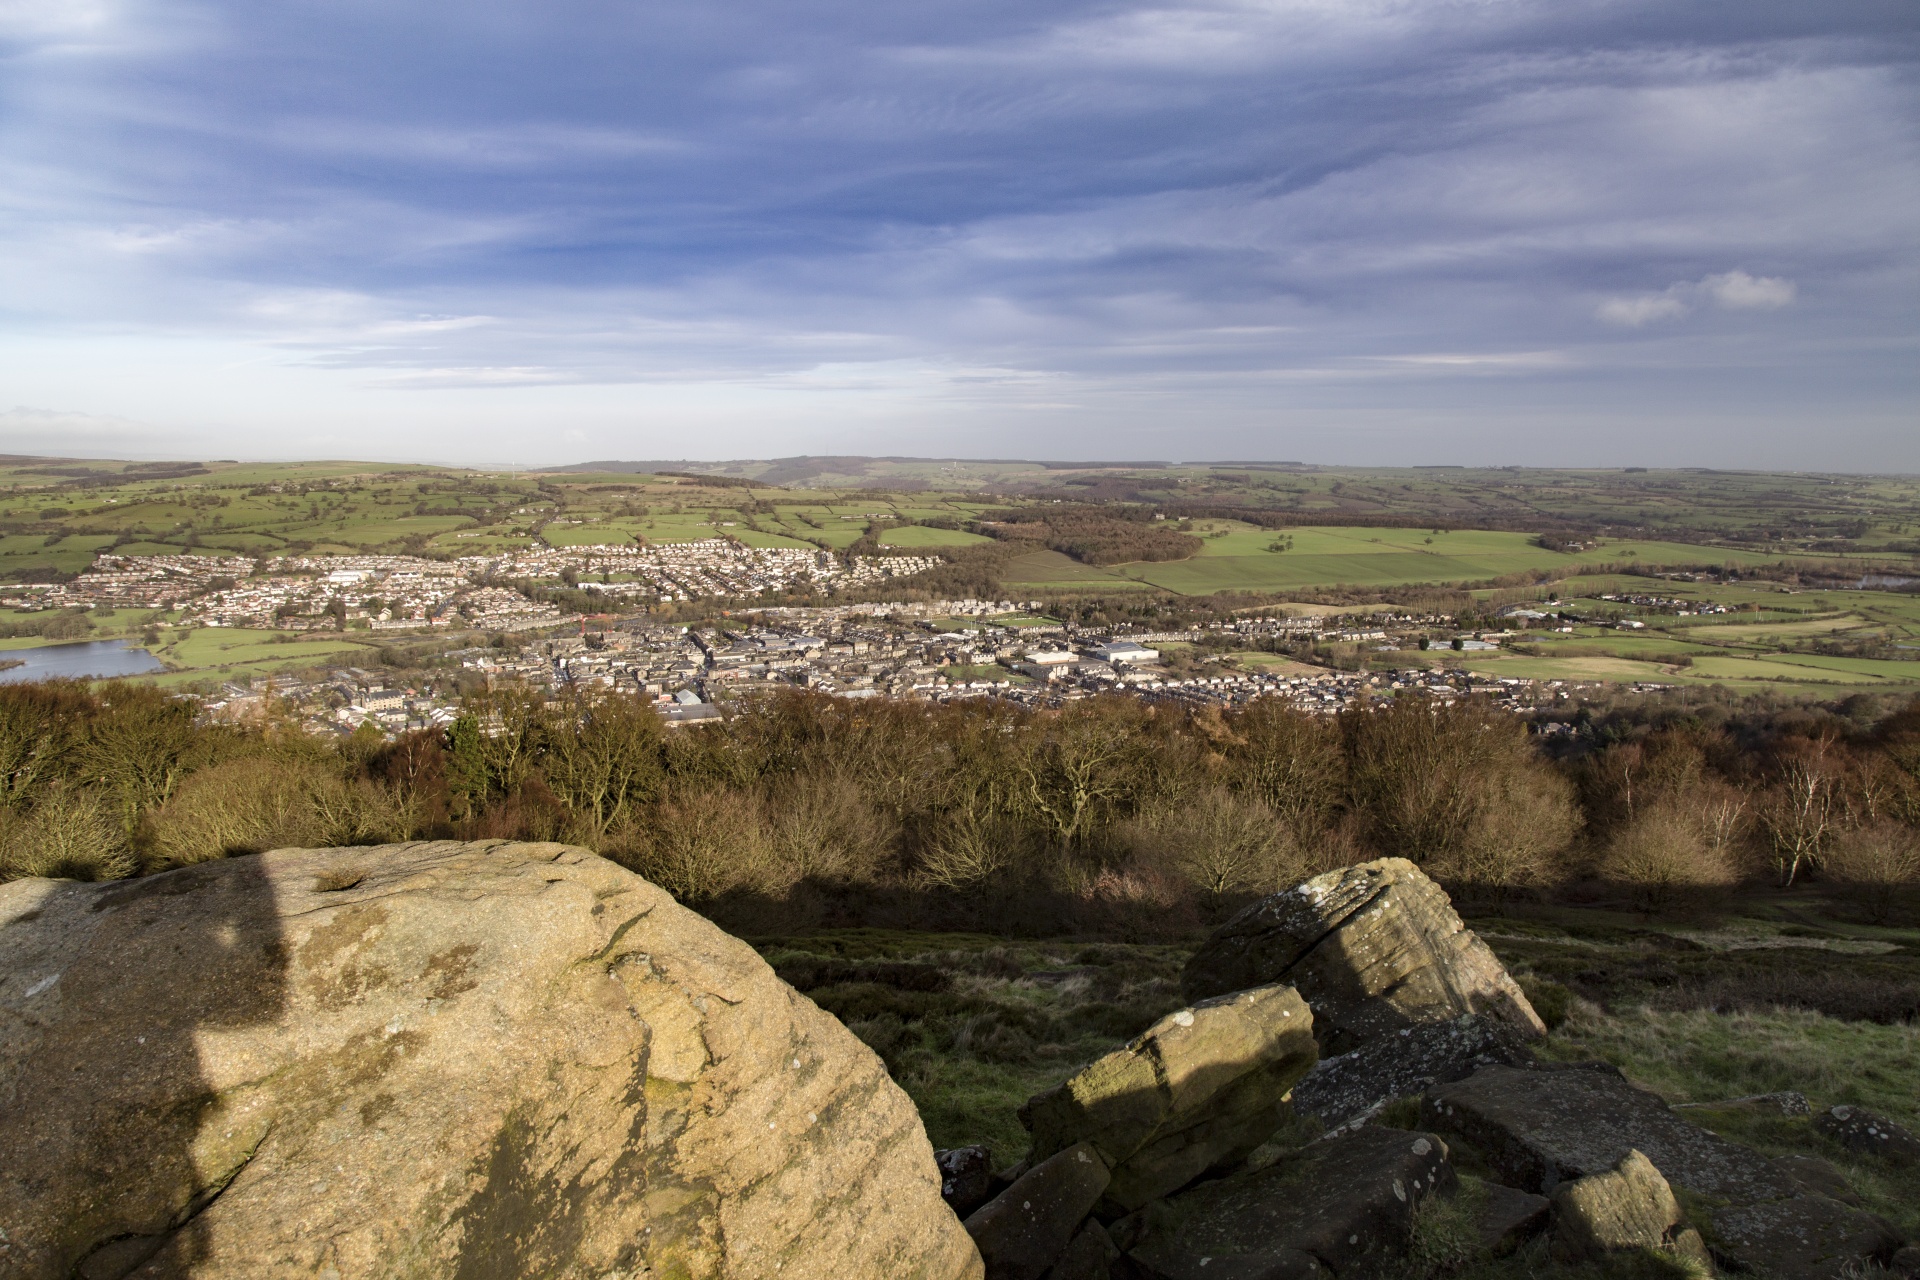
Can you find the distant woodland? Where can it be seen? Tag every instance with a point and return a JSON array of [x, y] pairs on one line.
[[1109, 815]]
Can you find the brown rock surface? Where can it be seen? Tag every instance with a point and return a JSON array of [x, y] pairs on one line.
[[1201, 1087], [1629, 1206], [1374, 948], [434, 1058]]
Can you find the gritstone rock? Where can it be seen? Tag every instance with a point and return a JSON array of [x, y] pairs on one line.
[[1089, 1256], [1865, 1132], [1538, 1129], [1809, 1238], [1022, 1231], [1508, 1217], [1373, 948], [966, 1178], [1337, 1206], [1200, 1088], [484, 1058], [1356, 1084], [1817, 1177], [1627, 1207]]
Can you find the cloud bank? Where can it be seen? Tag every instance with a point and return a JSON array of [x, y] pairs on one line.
[[1369, 231]]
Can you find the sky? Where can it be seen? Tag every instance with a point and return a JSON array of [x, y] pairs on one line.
[[1535, 232]]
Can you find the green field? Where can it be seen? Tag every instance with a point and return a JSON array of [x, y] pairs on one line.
[[919, 535], [1238, 559], [1052, 570], [237, 653]]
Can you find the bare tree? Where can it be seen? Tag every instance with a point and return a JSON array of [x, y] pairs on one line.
[[1800, 810]]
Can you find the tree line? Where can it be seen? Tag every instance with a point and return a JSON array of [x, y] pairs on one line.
[[1108, 812]]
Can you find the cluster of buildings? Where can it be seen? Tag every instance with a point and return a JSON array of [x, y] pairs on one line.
[[303, 593], [873, 651], [1666, 604], [704, 569], [343, 701], [132, 582]]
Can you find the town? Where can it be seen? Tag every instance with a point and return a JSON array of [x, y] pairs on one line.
[[929, 651], [906, 651]]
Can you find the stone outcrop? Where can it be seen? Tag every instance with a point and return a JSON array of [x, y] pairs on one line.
[[1374, 949], [1541, 1128], [1199, 1089], [1355, 1085], [1336, 1207], [1868, 1133], [1628, 1207], [1538, 1129], [443, 1058], [1025, 1229], [1090, 1255]]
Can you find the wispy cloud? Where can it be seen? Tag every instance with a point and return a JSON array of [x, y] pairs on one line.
[[730, 215], [1731, 290]]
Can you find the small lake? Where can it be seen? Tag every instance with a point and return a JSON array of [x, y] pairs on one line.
[[96, 659]]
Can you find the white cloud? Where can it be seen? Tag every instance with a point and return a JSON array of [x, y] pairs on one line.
[[1732, 291], [1738, 291], [1645, 309]]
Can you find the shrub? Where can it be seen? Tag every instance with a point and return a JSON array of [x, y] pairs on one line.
[[823, 828], [701, 842], [265, 802], [966, 853], [1663, 851], [1879, 862], [70, 834], [1224, 843]]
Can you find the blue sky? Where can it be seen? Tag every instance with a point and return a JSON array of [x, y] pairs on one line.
[[1579, 232]]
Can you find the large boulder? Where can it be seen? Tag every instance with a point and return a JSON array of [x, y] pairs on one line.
[[438, 1059], [1199, 1089], [1538, 1129], [1343, 1206], [1374, 948]]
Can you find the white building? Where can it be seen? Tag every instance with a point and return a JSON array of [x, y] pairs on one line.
[[1124, 651]]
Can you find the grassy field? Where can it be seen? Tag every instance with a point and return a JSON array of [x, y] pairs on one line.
[[1236, 557], [237, 653], [919, 535]]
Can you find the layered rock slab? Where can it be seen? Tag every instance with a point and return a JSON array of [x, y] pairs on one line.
[[437, 1058], [1340, 1207], [1539, 1129], [1374, 948], [1200, 1088], [1025, 1229], [1353, 1086]]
